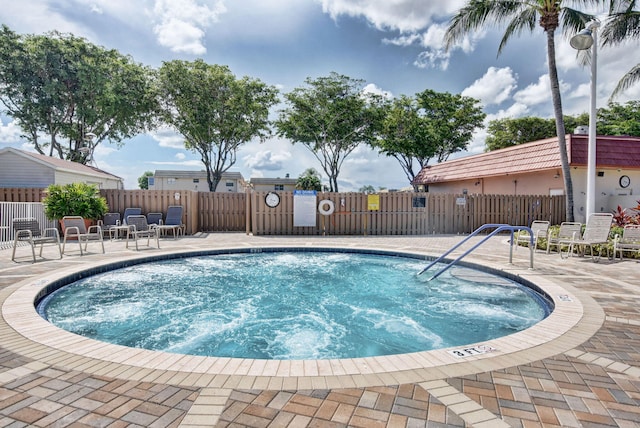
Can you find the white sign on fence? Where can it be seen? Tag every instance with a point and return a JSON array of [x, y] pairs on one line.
[[304, 208]]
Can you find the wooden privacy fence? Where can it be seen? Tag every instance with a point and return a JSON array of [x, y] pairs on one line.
[[404, 213], [397, 213]]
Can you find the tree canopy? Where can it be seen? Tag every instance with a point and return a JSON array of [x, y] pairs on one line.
[[309, 180], [330, 116], [433, 125], [616, 119], [214, 111], [72, 92]]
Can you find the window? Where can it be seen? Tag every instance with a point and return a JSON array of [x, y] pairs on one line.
[[278, 187], [171, 180], [151, 181], [196, 180], [229, 184]]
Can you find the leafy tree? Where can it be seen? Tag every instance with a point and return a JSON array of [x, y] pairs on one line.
[[620, 119], [143, 180], [519, 16], [617, 119], [431, 125], [367, 189], [623, 23], [330, 116], [76, 93], [215, 112], [309, 180]]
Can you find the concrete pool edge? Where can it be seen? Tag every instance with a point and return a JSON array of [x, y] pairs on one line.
[[34, 337]]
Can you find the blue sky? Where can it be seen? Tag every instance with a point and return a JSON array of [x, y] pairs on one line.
[[394, 46]]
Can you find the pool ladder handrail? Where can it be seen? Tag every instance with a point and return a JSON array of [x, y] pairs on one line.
[[498, 228]]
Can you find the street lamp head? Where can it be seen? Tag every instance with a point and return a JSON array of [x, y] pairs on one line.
[[582, 40]]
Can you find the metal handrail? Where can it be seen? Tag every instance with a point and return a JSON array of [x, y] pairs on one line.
[[498, 228]]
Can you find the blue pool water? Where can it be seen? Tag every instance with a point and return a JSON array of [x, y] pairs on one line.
[[292, 305]]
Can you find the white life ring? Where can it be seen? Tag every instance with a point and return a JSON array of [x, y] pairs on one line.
[[326, 207]]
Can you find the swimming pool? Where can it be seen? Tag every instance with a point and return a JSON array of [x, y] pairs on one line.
[[306, 291]]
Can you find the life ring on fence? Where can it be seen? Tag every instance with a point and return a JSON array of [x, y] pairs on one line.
[[326, 207]]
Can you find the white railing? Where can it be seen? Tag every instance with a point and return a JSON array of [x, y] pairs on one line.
[[11, 210]]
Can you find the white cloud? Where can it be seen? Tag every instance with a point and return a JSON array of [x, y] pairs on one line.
[[539, 92], [266, 160], [9, 133], [494, 87], [401, 15], [192, 163], [371, 88], [182, 23], [180, 156], [167, 137]]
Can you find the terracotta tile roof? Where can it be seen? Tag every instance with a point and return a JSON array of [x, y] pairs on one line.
[[61, 164], [611, 151]]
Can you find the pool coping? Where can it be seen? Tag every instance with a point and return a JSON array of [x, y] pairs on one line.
[[565, 328]]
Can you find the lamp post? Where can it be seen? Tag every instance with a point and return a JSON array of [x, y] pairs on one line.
[[584, 40]]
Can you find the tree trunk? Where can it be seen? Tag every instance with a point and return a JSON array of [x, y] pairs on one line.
[[557, 109]]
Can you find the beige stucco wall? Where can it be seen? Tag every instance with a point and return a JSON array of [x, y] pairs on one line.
[[608, 195]]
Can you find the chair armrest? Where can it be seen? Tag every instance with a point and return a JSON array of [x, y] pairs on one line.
[[26, 232], [97, 228], [52, 229]]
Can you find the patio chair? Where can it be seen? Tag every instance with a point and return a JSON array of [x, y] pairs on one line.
[[154, 219], [173, 221], [75, 228], [596, 232], [28, 230], [109, 223], [123, 227], [568, 230], [540, 229], [139, 228], [629, 241]]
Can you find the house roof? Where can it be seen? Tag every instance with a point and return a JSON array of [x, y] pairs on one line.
[[271, 180], [611, 151], [61, 164], [170, 173]]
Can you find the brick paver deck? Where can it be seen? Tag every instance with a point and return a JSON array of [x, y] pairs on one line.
[[589, 376]]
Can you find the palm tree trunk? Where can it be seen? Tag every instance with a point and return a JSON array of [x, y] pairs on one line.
[[557, 109]]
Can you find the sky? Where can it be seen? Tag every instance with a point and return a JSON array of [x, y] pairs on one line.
[[394, 46]]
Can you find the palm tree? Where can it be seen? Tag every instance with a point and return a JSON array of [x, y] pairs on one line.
[[521, 15], [623, 23]]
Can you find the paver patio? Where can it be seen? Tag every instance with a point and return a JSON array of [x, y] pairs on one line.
[[589, 376]]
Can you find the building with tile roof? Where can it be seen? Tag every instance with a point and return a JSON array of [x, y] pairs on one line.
[[22, 169], [535, 169]]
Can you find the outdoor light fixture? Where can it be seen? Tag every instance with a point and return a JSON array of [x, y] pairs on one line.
[[584, 40]]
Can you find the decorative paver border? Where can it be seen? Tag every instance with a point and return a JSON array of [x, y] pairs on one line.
[[565, 328]]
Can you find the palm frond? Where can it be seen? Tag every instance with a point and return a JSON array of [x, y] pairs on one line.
[[620, 27], [627, 81], [573, 21], [475, 15], [525, 20]]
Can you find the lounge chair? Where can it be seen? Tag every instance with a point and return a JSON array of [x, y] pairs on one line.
[[109, 224], [540, 229], [596, 232], [568, 230], [76, 228], [173, 221], [629, 241], [154, 219], [123, 227], [28, 230], [139, 228]]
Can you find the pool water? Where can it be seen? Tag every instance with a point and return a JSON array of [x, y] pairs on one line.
[[292, 305]]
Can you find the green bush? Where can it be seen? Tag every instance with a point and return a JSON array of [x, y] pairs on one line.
[[75, 199]]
